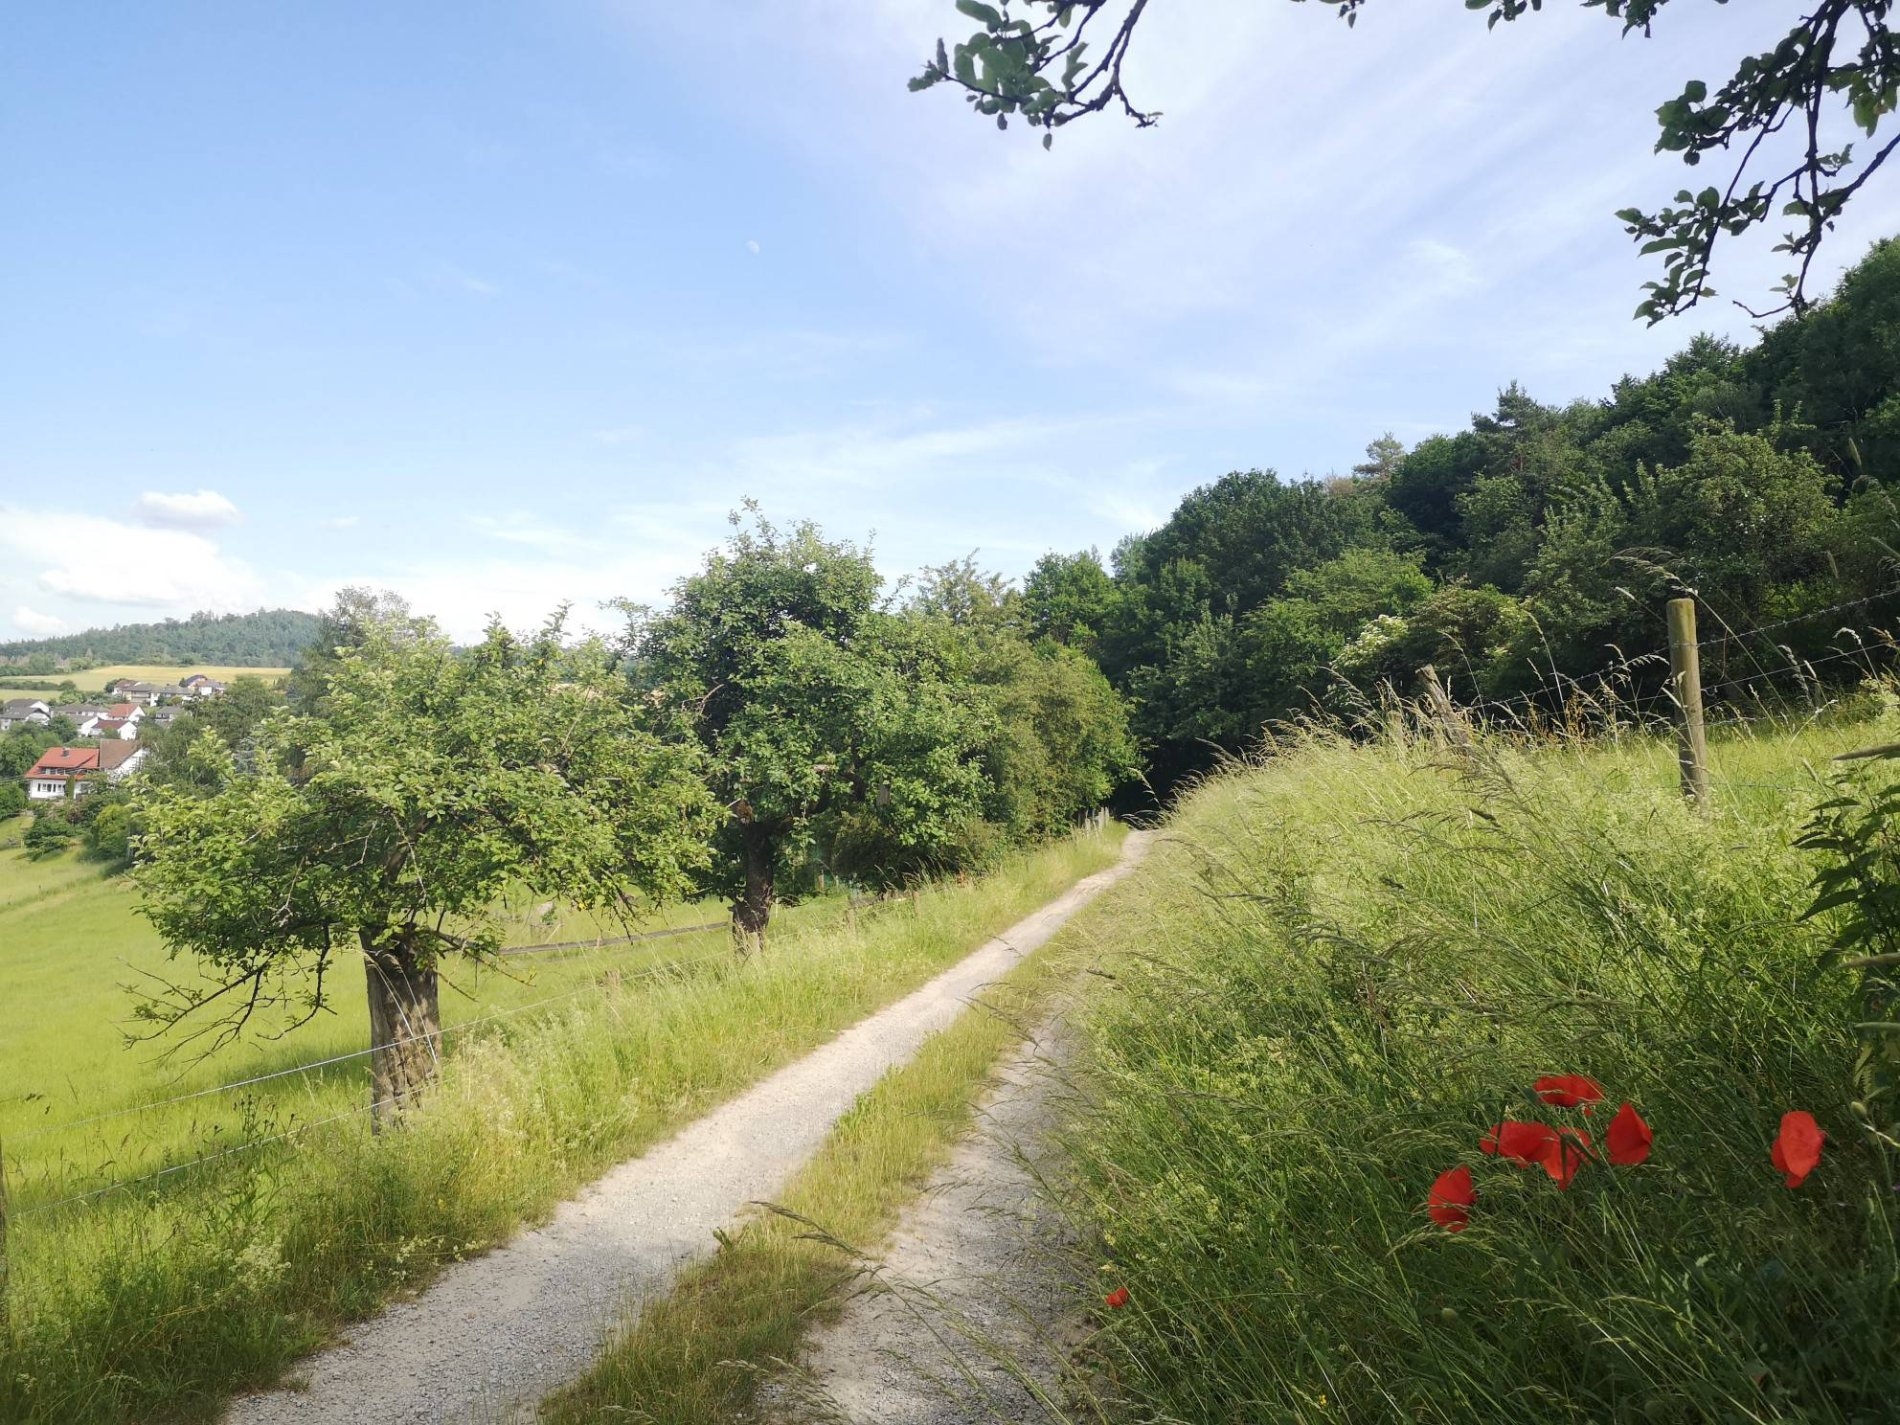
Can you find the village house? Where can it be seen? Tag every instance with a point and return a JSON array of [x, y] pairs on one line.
[[24, 712], [133, 690], [67, 770], [92, 720], [119, 760], [58, 769]]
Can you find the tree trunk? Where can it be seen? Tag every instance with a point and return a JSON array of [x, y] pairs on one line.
[[753, 907], [405, 1026]]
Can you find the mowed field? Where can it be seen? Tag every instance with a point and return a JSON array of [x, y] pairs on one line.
[[94, 679], [75, 957]]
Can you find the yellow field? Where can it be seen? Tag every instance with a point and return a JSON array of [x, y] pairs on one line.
[[161, 673], [93, 680]]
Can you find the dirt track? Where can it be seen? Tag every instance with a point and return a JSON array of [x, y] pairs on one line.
[[494, 1335]]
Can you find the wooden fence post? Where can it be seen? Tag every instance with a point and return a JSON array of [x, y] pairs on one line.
[[1685, 685]]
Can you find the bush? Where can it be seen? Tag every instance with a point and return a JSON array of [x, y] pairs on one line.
[[108, 832], [49, 834], [12, 798]]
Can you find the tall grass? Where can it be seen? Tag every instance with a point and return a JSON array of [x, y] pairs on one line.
[[159, 1304], [1341, 965]]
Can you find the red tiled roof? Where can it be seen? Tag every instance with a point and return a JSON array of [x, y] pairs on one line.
[[66, 762], [121, 711]]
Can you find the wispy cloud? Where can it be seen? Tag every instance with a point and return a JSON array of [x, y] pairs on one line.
[[201, 509], [447, 276], [32, 621]]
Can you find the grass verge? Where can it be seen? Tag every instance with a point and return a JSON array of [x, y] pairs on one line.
[[700, 1354], [1339, 967], [158, 1304]]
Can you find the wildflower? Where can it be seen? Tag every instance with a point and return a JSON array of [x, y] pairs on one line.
[[1628, 1138], [1523, 1143], [1569, 1090], [1798, 1146], [1568, 1151], [1117, 1298], [1451, 1199]]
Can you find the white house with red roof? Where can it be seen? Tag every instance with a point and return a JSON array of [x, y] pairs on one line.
[[58, 769]]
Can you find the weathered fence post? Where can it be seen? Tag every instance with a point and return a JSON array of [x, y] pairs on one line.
[[1685, 685]]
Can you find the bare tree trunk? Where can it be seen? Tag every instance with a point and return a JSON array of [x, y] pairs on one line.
[[405, 1026], [753, 907]]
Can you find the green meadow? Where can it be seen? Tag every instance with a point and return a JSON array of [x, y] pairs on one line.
[[74, 949]]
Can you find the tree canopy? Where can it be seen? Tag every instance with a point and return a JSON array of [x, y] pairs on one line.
[[268, 638], [387, 827], [847, 737], [1776, 120], [1534, 546]]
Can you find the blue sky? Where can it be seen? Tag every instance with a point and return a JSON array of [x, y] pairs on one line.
[[505, 305]]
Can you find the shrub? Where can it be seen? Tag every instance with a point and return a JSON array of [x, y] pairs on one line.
[[49, 834]]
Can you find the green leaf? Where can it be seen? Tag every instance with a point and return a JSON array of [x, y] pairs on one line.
[[978, 11]]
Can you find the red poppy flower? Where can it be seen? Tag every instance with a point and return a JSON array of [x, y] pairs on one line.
[[1522, 1143], [1568, 1090], [1628, 1137], [1797, 1146], [1117, 1298], [1569, 1150], [1451, 1199]]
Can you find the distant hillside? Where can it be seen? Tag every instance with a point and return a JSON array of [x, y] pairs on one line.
[[269, 638]]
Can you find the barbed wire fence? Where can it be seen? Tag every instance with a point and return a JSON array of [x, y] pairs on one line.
[[1621, 692]]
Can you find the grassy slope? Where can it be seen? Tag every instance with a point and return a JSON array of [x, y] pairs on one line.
[[71, 943], [1345, 964], [135, 1308]]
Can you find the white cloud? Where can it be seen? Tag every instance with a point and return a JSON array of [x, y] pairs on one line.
[[202, 509], [101, 561], [752, 246], [635, 552], [32, 621], [343, 522]]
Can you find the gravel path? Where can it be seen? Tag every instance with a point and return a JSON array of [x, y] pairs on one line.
[[965, 1321], [494, 1335]]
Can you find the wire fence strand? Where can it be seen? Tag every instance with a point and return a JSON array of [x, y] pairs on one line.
[[130, 1110]]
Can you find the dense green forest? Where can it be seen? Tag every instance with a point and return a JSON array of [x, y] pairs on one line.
[[1535, 546], [268, 638]]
